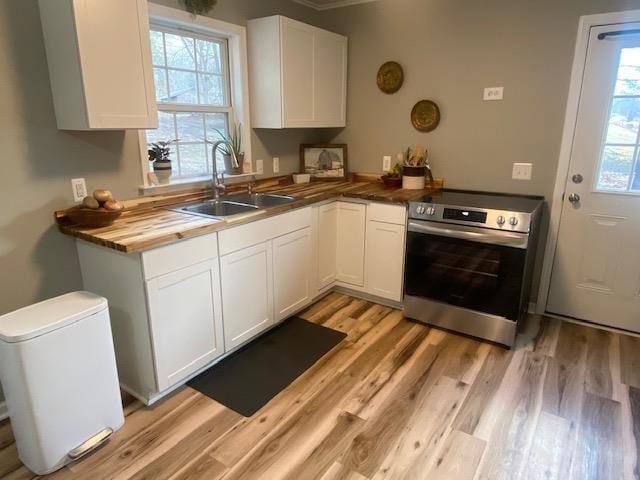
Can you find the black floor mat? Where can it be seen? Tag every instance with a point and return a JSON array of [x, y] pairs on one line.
[[246, 380]]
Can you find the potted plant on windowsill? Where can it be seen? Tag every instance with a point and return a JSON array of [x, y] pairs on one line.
[[234, 140], [159, 154]]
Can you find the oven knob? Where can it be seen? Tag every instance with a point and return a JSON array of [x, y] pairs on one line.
[[431, 211], [500, 220], [420, 209], [513, 221]]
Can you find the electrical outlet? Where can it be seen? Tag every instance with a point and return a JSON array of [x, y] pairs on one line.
[[260, 167], [386, 163], [494, 93], [522, 171], [276, 164], [79, 188]]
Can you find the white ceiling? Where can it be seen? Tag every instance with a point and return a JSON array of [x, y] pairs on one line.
[[327, 4]]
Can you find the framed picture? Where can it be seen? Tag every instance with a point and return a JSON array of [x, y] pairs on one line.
[[324, 161]]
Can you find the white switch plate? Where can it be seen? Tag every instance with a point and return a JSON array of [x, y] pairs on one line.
[[276, 164], [494, 93], [522, 171], [259, 167], [79, 188], [386, 163]]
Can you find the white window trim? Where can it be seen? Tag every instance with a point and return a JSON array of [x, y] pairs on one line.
[[236, 36]]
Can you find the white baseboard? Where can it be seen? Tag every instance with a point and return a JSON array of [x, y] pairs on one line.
[[4, 412]]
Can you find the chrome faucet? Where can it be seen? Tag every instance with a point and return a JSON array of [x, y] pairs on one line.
[[217, 185]]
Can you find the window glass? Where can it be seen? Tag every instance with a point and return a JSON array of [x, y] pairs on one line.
[[191, 81], [619, 170]]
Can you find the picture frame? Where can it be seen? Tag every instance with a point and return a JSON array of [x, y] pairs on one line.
[[324, 161]]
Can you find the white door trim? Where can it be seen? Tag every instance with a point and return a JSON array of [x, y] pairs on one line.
[[575, 87]]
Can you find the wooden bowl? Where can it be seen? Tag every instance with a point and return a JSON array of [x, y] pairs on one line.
[[391, 181], [87, 217]]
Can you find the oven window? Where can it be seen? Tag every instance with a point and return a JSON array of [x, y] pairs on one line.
[[478, 276]]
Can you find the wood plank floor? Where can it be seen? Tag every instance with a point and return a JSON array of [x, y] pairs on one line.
[[397, 399]]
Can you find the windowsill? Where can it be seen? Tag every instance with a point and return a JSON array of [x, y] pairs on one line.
[[178, 184], [175, 185]]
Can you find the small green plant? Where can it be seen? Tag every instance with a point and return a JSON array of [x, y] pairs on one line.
[[160, 151], [198, 7], [396, 171], [234, 138]]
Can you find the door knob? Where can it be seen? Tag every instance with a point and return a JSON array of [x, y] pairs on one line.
[[574, 198]]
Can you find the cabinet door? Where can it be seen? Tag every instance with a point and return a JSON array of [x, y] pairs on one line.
[[291, 272], [350, 247], [330, 87], [384, 260], [327, 237], [186, 321], [297, 74], [247, 293], [99, 59]]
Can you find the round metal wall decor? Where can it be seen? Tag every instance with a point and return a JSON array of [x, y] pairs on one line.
[[390, 77], [425, 116]]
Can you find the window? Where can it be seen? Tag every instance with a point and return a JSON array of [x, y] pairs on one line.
[[619, 169], [191, 74]]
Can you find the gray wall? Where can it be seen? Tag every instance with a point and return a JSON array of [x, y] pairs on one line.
[[39, 160], [450, 51]]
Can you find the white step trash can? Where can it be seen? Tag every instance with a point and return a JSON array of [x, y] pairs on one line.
[[58, 373]]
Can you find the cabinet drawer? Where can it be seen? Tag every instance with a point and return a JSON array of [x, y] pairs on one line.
[[179, 255], [382, 212], [237, 238]]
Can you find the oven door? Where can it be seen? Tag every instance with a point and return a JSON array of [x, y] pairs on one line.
[[474, 268]]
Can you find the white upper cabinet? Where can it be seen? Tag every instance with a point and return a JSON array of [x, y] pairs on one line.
[[298, 75], [99, 63]]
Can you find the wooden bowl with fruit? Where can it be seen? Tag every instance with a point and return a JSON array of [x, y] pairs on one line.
[[98, 210]]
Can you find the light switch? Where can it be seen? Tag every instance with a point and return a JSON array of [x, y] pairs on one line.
[[494, 93], [276, 164], [386, 163], [522, 171], [259, 167]]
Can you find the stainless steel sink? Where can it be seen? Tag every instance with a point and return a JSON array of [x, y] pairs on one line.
[[218, 208], [261, 200]]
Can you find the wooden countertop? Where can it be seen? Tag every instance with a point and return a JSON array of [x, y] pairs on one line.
[[149, 222]]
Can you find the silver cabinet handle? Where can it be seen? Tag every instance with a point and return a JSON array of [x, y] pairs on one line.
[[574, 198]]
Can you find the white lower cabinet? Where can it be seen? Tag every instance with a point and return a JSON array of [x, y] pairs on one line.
[[186, 321], [350, 244], [247, 293], [384, 260], [326, 245], [291, 272]]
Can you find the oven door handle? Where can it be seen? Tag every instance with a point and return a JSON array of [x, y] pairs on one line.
[[481, 235]]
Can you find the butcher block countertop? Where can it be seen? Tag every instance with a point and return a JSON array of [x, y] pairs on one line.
[[149, 222]]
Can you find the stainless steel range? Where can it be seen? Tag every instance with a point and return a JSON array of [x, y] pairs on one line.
[[469, 262]]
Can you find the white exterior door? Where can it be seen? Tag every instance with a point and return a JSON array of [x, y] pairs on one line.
[[186, 321], [291, 272], [350, 252], [247, 293], [596, 271]]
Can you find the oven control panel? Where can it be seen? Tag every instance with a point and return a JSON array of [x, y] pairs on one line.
[[496, 219]]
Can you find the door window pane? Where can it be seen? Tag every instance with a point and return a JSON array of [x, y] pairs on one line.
[[615, 169], [620, 152], [624, 120]]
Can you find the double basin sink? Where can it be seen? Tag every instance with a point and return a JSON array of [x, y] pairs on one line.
[[235, 205]]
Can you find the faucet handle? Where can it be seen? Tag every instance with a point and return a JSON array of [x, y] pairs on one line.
[[250, 184]]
